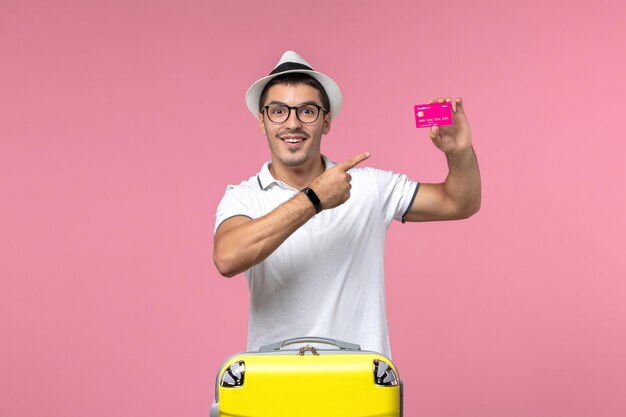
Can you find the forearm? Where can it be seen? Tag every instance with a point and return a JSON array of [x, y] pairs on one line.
[[239, 247], [462, 185]]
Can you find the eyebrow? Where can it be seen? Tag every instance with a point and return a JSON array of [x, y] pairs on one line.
[[301, 104]]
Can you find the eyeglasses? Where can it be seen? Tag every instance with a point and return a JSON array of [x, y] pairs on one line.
[[306, 113]]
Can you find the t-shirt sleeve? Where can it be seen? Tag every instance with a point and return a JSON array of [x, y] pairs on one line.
[[234, 203], [397, 192]]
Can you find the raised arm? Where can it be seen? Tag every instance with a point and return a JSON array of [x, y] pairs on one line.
[[459, 196], [241, 242]]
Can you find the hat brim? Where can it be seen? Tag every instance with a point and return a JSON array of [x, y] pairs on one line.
[[332, 90]]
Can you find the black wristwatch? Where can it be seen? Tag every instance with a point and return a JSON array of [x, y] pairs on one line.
[[314, 198]]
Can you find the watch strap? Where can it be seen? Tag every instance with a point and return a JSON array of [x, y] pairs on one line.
[[313, 198]]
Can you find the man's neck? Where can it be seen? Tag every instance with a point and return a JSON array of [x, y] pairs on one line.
[[298, 177]]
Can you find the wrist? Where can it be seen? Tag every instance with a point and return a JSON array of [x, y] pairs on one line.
[[461, 154]]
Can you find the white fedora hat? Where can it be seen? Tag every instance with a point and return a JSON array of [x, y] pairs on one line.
[[291, 62]]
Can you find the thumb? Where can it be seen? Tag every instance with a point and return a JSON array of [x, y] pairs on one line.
[[352, 162], [433, 132]]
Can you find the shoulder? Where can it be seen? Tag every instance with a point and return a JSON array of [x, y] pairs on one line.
[[384, 182], [250, 185], [365, 172], [379, 175], [245, 192]]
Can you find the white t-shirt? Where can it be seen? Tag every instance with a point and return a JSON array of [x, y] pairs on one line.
[[327, 278]]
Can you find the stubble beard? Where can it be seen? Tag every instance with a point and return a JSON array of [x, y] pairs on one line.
[[293, 159]]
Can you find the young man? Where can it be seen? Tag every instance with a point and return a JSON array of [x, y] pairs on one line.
[[309, 233]]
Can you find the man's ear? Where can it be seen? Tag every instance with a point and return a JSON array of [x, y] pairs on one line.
[[262, 124], [326, 128]]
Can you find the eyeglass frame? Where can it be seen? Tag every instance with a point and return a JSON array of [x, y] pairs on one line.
[[296, 109]]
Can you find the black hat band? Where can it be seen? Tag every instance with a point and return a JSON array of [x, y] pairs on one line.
[[288, 66]]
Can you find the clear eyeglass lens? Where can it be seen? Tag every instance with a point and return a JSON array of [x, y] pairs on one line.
[[307, 114], [278, 113]]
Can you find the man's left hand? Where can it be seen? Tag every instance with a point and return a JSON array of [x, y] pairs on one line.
[[455, 138]]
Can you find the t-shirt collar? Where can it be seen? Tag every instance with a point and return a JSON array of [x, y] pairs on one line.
[[265, 178]]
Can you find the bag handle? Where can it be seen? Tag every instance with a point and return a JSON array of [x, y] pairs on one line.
[[338, 343]]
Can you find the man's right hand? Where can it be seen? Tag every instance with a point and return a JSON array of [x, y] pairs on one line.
[[333, 185]]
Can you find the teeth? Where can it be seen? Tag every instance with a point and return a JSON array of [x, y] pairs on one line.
[[290, 140]]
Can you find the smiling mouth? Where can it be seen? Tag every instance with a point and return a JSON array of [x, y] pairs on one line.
[[293, 141]]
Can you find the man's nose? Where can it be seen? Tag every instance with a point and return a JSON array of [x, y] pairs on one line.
[[292, 121]]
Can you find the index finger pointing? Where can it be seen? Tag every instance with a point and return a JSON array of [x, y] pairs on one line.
[[352, 162]]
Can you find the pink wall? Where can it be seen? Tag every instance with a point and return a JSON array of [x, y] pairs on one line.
[[121, 123]]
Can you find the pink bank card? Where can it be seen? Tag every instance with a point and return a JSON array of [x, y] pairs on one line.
[[434, 114]]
